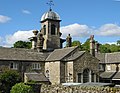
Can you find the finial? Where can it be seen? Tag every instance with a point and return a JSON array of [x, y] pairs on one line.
[[50, 3]]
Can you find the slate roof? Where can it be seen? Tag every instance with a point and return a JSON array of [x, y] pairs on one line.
[[107, 75], [108, 57], [59, 54], [36, 77], [116, 76], [21, 54], [112, 57], [101, 57], [74, 56]]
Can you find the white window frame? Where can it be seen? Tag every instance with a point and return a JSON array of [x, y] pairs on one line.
[[36, 66], [14, 65]]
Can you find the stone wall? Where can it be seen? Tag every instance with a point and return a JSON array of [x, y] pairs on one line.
[[77, 89], [54, 71], [86, 61]]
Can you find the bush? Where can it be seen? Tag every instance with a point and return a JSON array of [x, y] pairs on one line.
[[21, 88], [8, 79]]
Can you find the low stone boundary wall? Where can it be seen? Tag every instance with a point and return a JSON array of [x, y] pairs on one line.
[[77, 89]]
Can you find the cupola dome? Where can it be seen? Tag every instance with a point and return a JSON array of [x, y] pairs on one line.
[[50, 15]]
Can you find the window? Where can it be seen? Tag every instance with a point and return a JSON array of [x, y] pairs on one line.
[[36, 66], [44, 27], [108, 67], [79, 77], [48, 74], [101, 67], [52, 29], [14, 65]]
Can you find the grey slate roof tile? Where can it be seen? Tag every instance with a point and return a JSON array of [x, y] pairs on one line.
[[117, 76], [112, 57], [101, 57], [74, 56], [108, 57], [107, 74], [21, 54], [37, 77], [59, 54]]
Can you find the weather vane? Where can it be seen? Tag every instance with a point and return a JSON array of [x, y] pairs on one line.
[[50, 3]]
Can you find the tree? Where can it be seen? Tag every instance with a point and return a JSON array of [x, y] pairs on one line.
[[86, 45], [105, 48], [22, 44], [21, 88], [76, 43], [8, 79], [118, 42]]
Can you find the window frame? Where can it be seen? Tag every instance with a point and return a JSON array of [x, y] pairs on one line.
[[14, 65], [36, 66]]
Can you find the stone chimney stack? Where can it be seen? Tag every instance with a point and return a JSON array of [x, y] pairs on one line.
[[68, 41], [34, 39], [92, 45], [40, 42], [97, 47]]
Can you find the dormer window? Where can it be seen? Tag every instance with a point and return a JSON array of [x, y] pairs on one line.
[[53, 29]]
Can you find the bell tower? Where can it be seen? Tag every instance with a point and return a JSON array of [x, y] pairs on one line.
[[50, 28]]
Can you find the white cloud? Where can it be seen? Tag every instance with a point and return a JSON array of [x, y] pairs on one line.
[[76, 30], [26, 12], [19, 35], [108, 30], [111, 43], [4, 19]]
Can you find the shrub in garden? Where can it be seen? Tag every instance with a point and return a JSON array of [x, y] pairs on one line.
[[8, 79], [21, 88]]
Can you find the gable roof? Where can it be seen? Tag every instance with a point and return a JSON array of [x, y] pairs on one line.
[[21, 54], [59, 54], [74, 56]]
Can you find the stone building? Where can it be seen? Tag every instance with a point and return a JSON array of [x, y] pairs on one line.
[[109, 67], [49, 59]]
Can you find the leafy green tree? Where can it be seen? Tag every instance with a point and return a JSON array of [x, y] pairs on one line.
[[86, 45], [118, 42], [105, 48], [77, 43], [22, 44], [114, 48], [8, 79], [21, 88]]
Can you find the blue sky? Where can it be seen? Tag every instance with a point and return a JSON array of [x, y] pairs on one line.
[[80, 18]]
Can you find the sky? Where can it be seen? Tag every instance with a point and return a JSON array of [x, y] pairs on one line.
[[80, 18]]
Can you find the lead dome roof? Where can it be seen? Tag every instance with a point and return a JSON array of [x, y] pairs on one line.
[[50, 15]]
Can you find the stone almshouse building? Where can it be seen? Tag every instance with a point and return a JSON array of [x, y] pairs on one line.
[[47, 60]]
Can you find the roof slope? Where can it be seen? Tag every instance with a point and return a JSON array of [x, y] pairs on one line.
[[36, 77], [74, 56], [107, 74], [101, 57], [59, 54], [108, 57], [112, 57], [21, 54]]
